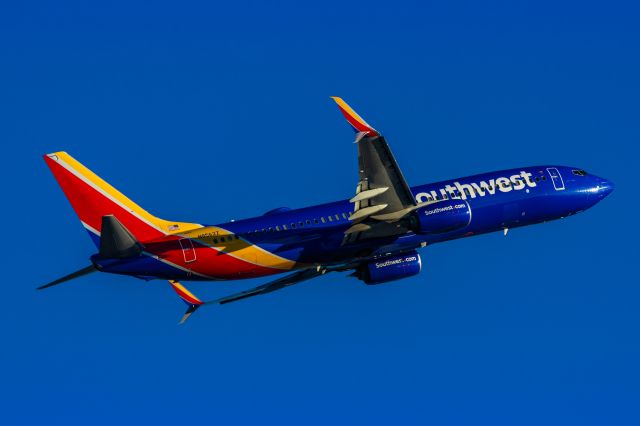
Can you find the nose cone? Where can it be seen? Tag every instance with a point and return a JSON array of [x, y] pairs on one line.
[[604, 188]]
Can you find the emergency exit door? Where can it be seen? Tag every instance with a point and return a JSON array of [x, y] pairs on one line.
[[188, 251]]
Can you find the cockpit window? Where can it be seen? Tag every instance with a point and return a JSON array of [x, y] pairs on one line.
[[579, 172]]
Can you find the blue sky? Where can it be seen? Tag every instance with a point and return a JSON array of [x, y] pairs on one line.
[[206, 112]]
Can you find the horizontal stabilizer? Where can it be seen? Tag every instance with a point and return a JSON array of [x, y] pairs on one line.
[[82, 272], [116, 241]]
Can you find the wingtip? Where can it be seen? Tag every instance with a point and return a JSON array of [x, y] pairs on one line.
[[184, 294], [187, 314], [352, 117]]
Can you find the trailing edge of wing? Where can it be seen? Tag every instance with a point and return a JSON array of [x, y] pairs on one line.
[[194, 302], [357, 122]]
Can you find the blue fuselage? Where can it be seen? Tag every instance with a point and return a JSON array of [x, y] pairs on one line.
[[498, 200]]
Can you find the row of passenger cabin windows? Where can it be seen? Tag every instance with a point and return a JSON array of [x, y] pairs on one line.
[[303, 223], [225, 238]]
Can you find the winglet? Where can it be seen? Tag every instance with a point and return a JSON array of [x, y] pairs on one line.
[[357, 122], [189, 298]]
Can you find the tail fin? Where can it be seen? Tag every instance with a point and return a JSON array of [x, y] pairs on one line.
[[92, 198]]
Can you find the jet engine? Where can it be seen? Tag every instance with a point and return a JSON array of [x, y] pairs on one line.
[[440, 217], [391, 268]]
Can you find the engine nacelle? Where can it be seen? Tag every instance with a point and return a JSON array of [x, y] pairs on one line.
[[443, 216], [392, 268]]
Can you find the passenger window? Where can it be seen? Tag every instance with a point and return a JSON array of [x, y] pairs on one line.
[[315, 221], [308, 222], [344, 216], [284, 227], [322, 219], [278, 228], [330, 218], [293, 225], [215, 241], [337, 217]]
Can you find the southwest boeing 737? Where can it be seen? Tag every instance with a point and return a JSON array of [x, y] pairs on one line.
[[374, 235]]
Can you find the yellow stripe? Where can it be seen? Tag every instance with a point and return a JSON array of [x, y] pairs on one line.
[[350, 111], [240, 248], [114, 194], [182, 288]]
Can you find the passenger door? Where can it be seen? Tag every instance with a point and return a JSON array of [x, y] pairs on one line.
[[556, 178]]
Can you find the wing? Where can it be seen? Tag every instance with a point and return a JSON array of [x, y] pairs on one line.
[[383, 196], [194, 303]]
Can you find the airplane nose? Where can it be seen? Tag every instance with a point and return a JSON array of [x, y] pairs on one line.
[[605, 187]]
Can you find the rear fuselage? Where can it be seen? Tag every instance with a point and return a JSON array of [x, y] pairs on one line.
[[286, 239]]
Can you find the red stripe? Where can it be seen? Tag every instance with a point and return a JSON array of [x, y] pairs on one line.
[[209, 261], [187, 298], [356, 124], [90, 205]]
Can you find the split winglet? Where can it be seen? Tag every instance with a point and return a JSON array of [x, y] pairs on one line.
[[194, 303], [189, 298], [357, 122]]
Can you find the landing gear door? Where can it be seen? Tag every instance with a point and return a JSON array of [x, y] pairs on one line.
[[556, 178]]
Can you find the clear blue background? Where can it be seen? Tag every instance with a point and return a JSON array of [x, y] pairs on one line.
[[211, 111]]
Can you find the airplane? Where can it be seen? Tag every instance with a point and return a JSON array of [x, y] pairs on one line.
[[375, 235]]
